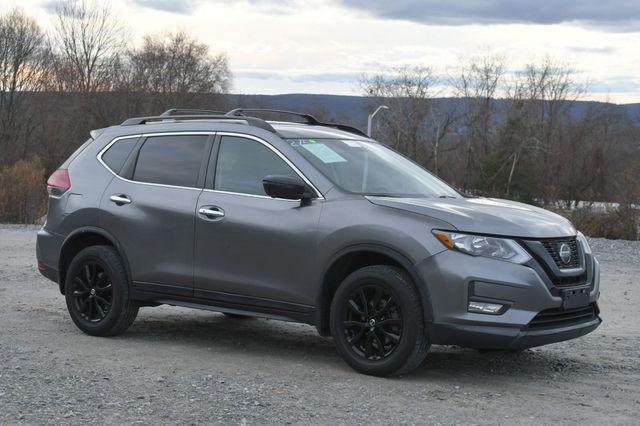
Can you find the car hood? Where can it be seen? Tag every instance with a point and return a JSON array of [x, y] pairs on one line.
[[486, 216]]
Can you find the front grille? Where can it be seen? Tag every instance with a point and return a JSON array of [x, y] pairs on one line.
[[559, 317], [553, 248], [567, 281]]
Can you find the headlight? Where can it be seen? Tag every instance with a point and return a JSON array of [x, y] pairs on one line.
[[478, 245], [584, 242]]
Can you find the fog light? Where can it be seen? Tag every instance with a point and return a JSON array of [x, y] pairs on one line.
[[485, 308]]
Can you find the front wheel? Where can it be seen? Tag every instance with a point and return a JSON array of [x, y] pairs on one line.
[[236, 316], [378, 323], [97, 292]]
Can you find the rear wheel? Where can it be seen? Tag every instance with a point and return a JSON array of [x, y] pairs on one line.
[[377, 322], [97, 292]]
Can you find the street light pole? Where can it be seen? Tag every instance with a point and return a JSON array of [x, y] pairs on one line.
[[370, 120]]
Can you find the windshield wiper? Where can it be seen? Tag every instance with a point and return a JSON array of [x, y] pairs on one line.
[[373, 194]]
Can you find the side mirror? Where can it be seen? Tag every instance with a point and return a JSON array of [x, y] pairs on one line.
[[286, 187]]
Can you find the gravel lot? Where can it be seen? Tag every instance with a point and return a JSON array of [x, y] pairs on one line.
[[178, 365]]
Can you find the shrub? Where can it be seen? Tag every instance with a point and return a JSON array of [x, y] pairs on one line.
[[620, 223], [22, 192]]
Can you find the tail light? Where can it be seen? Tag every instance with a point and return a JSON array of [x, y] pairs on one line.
[[58, 182]]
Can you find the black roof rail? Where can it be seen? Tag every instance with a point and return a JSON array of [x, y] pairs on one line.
[[188, 111], [310, 119], [240, 112], [251, 121], [346, 128]]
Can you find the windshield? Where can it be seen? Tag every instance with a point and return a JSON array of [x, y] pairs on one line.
[[369, 168]]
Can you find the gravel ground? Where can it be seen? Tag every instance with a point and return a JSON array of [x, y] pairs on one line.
[[183, 366]]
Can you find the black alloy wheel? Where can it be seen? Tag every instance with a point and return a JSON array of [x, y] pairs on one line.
[[92, 292], [97, 292], [377, 321], [372, 322]]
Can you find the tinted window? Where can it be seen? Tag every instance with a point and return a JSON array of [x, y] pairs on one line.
[[243, 163], [116, 156], [171, 160]]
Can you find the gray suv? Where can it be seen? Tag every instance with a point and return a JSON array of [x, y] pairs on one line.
[[308, 222]]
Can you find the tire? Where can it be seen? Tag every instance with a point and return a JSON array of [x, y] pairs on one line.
[[395, 342], [236, 316], [97, 292]]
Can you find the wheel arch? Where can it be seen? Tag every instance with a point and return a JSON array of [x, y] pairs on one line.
[[355, 257], [80, 239]]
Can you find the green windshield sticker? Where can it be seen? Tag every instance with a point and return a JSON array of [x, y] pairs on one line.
[[312, 141], [324, 153]]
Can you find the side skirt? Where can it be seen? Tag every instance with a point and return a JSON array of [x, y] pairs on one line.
[[223, 302]]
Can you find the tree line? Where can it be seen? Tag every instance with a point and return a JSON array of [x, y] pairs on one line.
[[83, 74], [518, 135], [511, 133]]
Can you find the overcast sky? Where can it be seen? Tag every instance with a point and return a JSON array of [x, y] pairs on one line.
[[324, 46]]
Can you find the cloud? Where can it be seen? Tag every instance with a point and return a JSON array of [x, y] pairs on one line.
[[184, 7], [187, 7], [620, 84], [301, 78], [604, 50], [614, 15]]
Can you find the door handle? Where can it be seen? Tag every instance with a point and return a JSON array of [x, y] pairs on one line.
[[120, 199], [211, 212]]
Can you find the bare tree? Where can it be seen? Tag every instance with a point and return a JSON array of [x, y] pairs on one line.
[[442, 121], [407, 91], [542, 96], [478, 86], [177, 71], [22, 68], [88, 39]]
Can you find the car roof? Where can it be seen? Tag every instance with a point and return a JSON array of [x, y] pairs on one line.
[[293, 130]]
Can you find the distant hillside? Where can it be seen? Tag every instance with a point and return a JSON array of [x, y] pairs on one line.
[[340, 107]]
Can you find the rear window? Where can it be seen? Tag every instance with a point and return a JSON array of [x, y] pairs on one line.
[[118, 153], [171, 160]]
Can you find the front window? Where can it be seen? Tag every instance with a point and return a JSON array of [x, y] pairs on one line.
[[369, 168], [243, 163]]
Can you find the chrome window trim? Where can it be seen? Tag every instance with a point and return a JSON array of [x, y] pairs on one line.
[[217, 191], [319, 195], [103, 150]]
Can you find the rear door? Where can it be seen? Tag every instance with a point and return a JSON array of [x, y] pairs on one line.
[[255, 250], [149, 207]]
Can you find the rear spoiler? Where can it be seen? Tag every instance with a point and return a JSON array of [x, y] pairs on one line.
[[95, 133]]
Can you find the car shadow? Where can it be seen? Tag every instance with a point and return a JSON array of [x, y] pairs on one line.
[[284, 341]]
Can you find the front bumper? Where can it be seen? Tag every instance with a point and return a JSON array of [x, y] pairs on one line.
[[488, 337], [452, 279]]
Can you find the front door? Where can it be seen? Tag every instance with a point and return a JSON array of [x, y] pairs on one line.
[[249, 247]]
